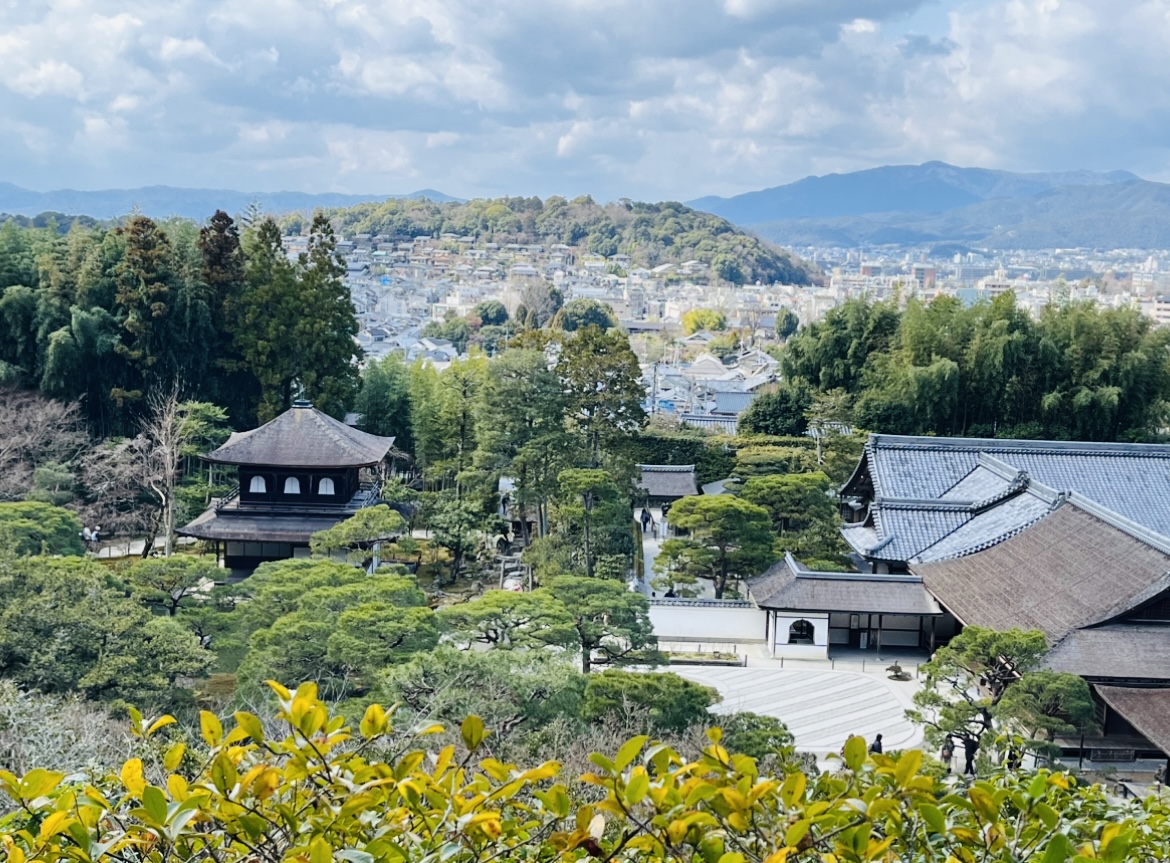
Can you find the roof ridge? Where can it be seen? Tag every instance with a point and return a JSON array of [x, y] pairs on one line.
[[927, 442]]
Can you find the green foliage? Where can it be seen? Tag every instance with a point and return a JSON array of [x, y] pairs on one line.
[[491, 313], [517, 692], [581, 313], [794, 501], [172, 583], [66, 626], [668, 702], [505, 619], [359, 535], [703, 319], [612, 623], [986, 682], [603, 385], [243, 793], [383, 403], [332, 622], [729, 538], [1078, 373], [31, 527], [754, 735], [779, 412]]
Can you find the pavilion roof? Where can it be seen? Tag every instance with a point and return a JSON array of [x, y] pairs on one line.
[[303, 437], [789, 586]]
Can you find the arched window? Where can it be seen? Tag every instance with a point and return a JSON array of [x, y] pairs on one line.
[[257, 485], [326, 486], [292, 485], [800, 632]]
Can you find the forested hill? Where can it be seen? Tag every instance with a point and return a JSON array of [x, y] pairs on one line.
[[651, 234]]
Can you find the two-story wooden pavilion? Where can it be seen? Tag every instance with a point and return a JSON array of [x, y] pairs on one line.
[[298, 474]]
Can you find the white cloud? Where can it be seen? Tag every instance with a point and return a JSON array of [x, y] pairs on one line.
[[663, 98]]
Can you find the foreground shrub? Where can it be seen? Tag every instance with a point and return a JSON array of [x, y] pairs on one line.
[[322, 793]]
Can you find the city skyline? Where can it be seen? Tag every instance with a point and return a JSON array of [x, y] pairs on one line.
[[609, 99]]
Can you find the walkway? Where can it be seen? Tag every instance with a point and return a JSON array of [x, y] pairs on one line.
[[821, 708]]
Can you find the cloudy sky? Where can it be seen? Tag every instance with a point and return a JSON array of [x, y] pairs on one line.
[[649, 99]]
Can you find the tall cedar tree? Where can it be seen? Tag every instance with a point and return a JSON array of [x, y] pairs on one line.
[[144, 291], [296, 323], [222, 272], [603, 386]]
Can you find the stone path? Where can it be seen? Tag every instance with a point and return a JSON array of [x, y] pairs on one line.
[[821, 708]]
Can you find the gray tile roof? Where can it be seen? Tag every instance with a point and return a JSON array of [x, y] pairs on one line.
[[1147, 710], [733, 403], [303, 437], [1130, 479], [989, 527], [788, 586], [721, 424], [1076, 567], [259, 528], [668, 481], [1120, 651]]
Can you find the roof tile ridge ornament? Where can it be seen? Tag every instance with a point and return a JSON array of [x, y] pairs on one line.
[[987, 543]]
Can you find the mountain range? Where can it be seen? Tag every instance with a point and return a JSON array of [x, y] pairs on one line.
[[936, 202], [164, 201]]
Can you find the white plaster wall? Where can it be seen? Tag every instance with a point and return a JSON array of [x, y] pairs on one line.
[[819, 630], [707, 623]]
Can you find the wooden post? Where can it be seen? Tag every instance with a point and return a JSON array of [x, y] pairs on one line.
[[933, 619]]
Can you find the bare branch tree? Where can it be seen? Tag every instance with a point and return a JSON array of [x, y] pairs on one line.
[[34, 431]]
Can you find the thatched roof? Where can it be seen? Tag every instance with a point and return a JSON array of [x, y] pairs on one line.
[[1077, 567], [1147, 710], [303, 437]]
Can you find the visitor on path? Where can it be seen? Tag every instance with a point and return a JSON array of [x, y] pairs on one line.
[[970, 747], [948, 753], [876, 746], [646, 519]]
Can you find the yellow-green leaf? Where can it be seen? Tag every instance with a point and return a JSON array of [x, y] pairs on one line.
[[373, 722], [319, 851], [855, 750], [473, 732], [174, 756], [132, 777], [793, 788], [629, 751], [210, 727], [251, 724], [797, 832], [161, 722], [908, 765], [53, 825]]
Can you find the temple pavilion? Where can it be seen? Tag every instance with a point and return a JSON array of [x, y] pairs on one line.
[[298, 474]]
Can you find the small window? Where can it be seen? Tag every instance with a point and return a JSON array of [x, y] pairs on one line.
[[326, 487], [800, 632], [292, 485], [257, 485]]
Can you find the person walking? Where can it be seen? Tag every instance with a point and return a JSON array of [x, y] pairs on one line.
[[970, 747], [948, 752], [876, 747], [645, 519]]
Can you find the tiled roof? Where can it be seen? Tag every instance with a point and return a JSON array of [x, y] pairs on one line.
[[303, 437], [1130, 479], [733, 403], [789, 586], [1076, 567], [1147, 710], [723, 425], [669, 481], [259, 528], [1120, 651]]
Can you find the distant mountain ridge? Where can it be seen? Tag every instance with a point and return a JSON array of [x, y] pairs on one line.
[[163, 201], [937, 202]]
